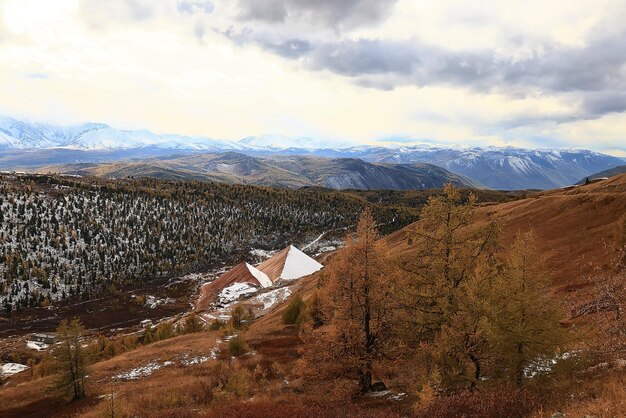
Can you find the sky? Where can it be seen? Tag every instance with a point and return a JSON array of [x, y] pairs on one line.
[[531, 73]]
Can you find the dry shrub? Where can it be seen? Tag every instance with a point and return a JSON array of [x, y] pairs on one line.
[[231, 380], [312, 409], [277, 371], [505, 401], [607, 400], [106, 408], [237, 346], [185, 390], [260, 373], [45, 367]]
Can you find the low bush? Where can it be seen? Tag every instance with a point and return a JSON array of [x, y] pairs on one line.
[[237, 346], [294, 310], [505, 401]]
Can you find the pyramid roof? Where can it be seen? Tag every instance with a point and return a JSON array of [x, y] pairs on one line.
[[289, 264]]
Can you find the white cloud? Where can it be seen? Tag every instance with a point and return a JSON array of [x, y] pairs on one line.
[[165, 65]]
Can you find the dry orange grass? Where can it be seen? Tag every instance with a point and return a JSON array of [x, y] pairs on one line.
[[571, 227], [609, 401], [25, 391]]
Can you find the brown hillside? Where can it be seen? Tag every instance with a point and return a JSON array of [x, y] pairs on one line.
[[575, 228], [572, 227]]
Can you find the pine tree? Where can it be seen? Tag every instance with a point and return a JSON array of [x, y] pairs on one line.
[[193, 324], [448, 249], [71, 360], [113, 407], [164, 331], [359, 305], [461, 346], [240, 317], [294, 310], [523, 324]]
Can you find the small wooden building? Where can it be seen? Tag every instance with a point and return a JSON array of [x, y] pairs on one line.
[[44, 338]]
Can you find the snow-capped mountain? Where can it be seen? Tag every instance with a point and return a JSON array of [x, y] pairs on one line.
[[35, 144], [274, 142], [503, 168], [15, 134]]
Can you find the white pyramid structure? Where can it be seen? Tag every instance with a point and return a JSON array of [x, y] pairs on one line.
[[289, 264]]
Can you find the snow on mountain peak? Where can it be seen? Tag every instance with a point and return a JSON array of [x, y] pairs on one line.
[[273, 141]]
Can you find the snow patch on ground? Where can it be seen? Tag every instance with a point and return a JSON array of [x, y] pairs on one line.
[[545, 365], [10, 369], [152, 301], [34, 345], [272, 297], [262, 253], [213, 353], [196, 360], [139, 372], [234, 292], [193, 277], [389, 395], [398, 396]]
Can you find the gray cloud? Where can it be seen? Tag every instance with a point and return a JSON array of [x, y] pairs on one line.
[[140, 9], [364, 57], [597, 67], [272, 11], [99, 13], [195, 6], [594, 75], [601, 103], [334, 13], [291, 48], [288, 48]]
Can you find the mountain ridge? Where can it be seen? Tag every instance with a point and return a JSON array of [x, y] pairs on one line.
[[505, 168], [277, 171]]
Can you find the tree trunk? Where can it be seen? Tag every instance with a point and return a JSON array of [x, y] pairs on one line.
[[365, 381], [519, 369], [477, 370]]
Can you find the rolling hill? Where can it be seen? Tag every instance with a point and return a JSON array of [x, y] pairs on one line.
[[277, 171]]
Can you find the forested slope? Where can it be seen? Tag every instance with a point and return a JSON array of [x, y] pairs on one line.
[[64, 237]]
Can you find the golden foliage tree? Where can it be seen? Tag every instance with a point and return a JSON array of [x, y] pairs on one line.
[[358, 309], [447, 253], [193, 324], [461, 346], [445, 280], [524, 322], [71, 359]]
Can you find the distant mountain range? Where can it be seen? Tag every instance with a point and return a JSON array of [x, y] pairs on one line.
[[277, 171], [29, 146]]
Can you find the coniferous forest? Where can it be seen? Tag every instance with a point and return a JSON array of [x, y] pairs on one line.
[[65, 237]]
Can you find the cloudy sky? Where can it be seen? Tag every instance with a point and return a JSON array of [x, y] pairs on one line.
[[504, 72]]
